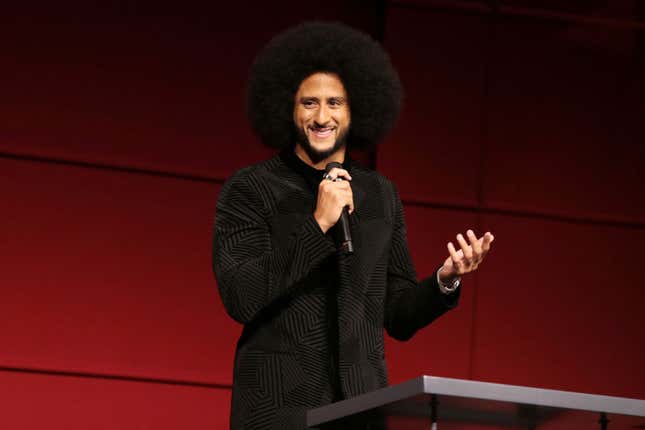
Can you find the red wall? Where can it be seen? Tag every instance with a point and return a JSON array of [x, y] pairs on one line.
[[119, 124]]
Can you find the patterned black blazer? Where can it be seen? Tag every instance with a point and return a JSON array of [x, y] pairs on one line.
[[313, 320]]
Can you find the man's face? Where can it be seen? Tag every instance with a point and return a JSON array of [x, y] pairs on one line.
[[321, 115]]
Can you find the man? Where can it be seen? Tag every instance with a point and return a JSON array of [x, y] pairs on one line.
[[314, 317]]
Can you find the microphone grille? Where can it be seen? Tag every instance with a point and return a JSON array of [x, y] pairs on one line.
[[333, 164]]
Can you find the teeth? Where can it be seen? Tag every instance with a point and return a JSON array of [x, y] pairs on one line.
[[322, 132]]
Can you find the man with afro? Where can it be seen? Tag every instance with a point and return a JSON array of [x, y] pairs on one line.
[[314, 316]]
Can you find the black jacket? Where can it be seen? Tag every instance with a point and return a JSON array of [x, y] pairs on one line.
[[278, 274]]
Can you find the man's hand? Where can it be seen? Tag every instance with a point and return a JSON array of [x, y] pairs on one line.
[[466, 259], [334, 193]]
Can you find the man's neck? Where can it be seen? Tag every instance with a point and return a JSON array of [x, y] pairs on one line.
[[338, 156]]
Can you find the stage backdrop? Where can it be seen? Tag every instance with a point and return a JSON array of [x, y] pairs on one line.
[[119, 124]]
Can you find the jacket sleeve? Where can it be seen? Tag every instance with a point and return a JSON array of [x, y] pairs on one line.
[[410, 305], [250, 272]]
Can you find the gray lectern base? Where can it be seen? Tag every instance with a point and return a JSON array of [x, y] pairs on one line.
[[443, 403]]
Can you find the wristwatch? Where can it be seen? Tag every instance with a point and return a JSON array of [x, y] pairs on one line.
[[450, 287]]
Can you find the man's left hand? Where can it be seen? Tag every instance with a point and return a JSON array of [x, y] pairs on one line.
[[466, 259]]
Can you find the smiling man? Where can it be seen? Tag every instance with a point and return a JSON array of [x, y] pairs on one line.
[[313, 316], [322, 117]]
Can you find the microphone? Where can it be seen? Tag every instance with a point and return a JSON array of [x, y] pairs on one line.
[[343, 234]]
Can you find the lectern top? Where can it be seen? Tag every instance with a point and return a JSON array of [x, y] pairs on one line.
[[478, 402]]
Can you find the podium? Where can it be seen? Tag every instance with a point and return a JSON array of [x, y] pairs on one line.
[[429, 402]]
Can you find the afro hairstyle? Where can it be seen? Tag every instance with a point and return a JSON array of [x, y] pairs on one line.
[[372, 84]]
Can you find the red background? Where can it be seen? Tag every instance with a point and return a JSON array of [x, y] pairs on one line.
[[118, 125]]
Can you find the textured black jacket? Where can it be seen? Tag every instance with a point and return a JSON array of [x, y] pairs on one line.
[[274, 268]]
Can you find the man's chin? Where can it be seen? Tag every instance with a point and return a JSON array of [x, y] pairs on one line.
[[321, 151], [323, 148], [316, 155]]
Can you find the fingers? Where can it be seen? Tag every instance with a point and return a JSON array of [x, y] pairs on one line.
[[457, 259], [343, 188], [346, 194], [471, 253], [339, 177], [468, 251], [349, 197], [453, 253], [474, 243], [337, 174], [488, 238], [332, 198], [480, 246]]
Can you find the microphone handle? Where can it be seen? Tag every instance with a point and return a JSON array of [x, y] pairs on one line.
[[346, 245]]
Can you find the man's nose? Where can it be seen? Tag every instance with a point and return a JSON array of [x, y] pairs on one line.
[[323, 115]]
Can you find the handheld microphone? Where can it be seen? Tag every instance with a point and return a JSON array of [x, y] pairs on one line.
[[343, 234]]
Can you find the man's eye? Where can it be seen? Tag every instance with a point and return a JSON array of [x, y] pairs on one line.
[[308, 103]]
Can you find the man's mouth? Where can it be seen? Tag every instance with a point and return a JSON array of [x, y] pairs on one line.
[[322, 132]]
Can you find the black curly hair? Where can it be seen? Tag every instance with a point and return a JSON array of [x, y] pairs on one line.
[[372, 84]]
